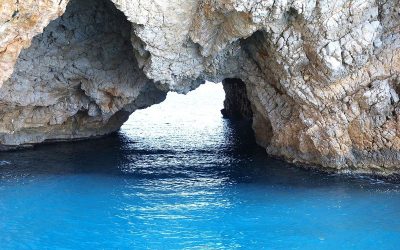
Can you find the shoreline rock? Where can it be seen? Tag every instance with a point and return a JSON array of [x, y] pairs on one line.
[[322, 78]]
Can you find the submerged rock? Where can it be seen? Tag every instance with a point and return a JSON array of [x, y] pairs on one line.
[[322, 77]]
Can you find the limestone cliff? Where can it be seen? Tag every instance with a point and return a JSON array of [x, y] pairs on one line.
[[322, 76]]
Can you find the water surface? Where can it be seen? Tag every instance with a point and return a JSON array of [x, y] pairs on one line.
[[179, 176]]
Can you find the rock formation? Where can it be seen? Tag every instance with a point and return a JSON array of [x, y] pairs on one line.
[[236, 103], [79, 78], [322, 77]]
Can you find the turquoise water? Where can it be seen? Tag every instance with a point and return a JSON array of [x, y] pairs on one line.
[[179, 176]]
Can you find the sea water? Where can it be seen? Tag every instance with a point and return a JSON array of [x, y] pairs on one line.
[[179, 176]]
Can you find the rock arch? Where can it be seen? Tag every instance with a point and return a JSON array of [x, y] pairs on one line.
[[321, 77]]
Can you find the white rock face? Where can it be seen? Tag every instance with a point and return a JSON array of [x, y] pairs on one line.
[[322, 76], [78, 79], [20, 21]]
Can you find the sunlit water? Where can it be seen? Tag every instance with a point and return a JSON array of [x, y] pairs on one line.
[[177, 175]]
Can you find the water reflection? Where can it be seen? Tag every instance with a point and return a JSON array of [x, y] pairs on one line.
[[179, 176]]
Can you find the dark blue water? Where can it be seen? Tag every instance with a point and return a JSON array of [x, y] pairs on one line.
[[179, 176]]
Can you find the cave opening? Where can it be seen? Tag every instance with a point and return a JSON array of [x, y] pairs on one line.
[[213, 116], [80, 79]]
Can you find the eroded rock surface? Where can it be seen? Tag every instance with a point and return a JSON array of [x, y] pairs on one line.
[[20, 21], [79, 78], [322, 76]]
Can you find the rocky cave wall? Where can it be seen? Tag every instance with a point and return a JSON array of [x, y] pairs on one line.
[[236, 103], [78, 79], [322, 76]]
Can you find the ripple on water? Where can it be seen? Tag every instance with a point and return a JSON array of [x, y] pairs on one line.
[[177, 175]]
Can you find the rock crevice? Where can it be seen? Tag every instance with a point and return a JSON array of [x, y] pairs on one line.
[[236, 103]]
